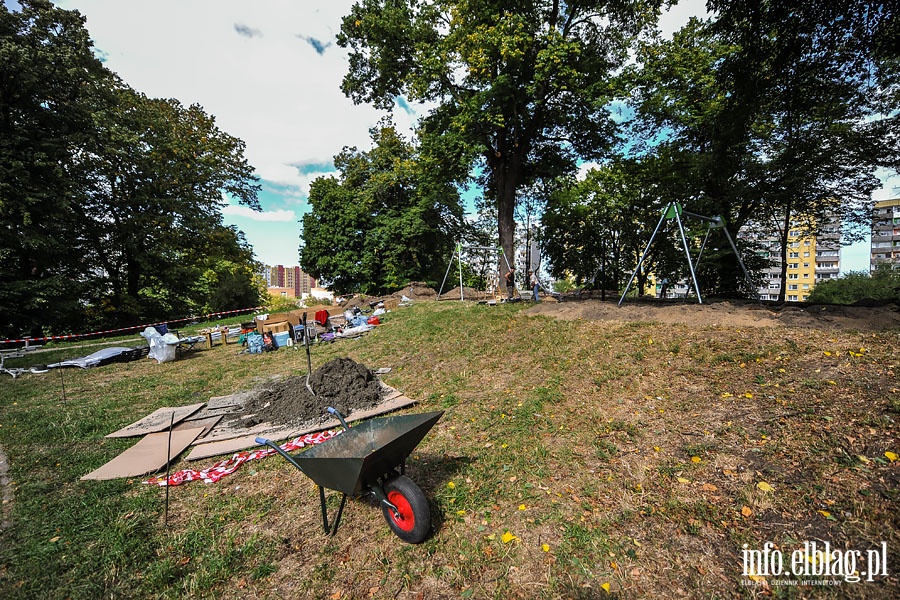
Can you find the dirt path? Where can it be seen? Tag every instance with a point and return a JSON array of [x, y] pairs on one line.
[[727, 313], [6, 493]]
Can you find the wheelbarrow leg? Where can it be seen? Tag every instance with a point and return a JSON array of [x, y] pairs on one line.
[[333, 529]]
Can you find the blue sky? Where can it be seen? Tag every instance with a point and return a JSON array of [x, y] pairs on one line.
[[270, 72]]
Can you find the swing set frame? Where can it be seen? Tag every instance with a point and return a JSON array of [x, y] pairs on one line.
[[457, 254], [674, 210]]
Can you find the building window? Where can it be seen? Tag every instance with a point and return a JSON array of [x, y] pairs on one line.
[[792, 286], [793, 276], [792, 297]]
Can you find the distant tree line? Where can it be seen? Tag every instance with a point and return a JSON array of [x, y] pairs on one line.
[[110, 201], [767, 113]]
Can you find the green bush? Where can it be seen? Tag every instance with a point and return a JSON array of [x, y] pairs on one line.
[[883, 285]]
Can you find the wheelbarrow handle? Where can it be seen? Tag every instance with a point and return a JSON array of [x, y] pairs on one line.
[[279, 450], [340, 417]]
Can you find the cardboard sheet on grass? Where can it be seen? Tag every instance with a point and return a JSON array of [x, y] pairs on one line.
[[158, 420], [217, 443], [147, 456]]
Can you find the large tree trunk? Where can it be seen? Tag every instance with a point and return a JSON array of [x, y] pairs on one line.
[[506, 225], [506, 170]]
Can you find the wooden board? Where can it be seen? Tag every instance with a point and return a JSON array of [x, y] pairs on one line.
[[158, 420], [147, 456]]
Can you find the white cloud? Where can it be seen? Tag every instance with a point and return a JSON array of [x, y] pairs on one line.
[[249, 64], [269, 216]]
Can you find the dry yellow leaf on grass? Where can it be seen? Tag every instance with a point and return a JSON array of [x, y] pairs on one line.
[[521, 507], [508, 537], [708, 487], [695, 459], [605, 586], [727, 395], [863, 459], [762, 485], [746, 511], [683, 480], [891, 456], [545, 547]]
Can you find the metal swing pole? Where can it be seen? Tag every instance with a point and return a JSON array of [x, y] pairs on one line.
[[700, 254], [687, 253], [740, 260], [459, 258], [644, 254], [449, 265]]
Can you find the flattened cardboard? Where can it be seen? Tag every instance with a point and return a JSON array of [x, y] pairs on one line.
[[147, 456], [206, 423], [238, 399], [236, 444], [158, 420]]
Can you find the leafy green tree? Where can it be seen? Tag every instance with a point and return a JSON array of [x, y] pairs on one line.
[[522, 86], [49, 80], [148, 212], [773, 112], [596, 229], [385, 222], [882, 285]]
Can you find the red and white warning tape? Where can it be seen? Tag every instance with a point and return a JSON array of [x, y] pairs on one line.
[[74, 336], [230, 465]]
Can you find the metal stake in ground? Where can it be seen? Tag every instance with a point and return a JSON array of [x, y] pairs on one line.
[[308, 357], [168, 463]]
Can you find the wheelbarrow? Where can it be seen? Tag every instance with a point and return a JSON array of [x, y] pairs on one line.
[[364, 460]]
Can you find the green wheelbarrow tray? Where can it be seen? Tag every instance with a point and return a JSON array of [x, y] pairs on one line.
[[364, 459]]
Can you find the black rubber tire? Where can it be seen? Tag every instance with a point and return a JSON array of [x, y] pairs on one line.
[[414, 523]]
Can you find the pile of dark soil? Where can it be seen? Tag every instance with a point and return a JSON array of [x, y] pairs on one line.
[[342, 383], [416, 289]]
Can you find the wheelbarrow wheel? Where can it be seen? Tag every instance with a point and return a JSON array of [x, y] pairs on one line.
[[413, 519]]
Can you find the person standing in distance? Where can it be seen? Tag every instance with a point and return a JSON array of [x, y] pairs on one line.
[[510, 282]]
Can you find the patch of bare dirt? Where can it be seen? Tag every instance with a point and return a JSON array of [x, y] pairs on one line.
[[725, 313], [341, 383]]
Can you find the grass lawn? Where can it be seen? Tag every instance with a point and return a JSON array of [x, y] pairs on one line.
[[576, 459]]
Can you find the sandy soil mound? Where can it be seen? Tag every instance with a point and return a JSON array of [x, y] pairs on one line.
[[728, 313]]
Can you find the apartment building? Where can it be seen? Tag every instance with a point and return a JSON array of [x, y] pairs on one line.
[[810, 260], [280, 279], [885, 247]]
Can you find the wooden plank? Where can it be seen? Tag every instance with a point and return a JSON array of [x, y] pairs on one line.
[[147, 456]]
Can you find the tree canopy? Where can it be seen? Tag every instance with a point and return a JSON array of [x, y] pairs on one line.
[[523, 87], [384, 222], [110, 201], [773, 113]]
